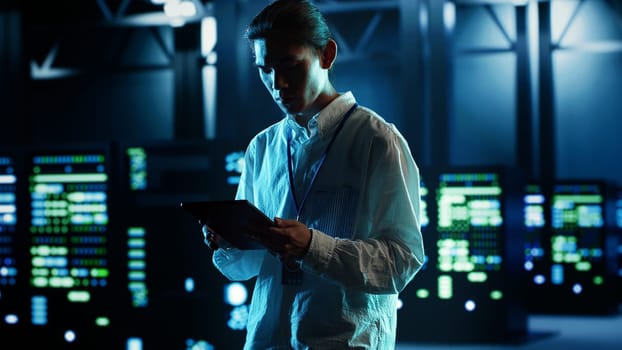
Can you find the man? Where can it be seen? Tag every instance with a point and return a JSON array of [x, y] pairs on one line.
[[343, 188]]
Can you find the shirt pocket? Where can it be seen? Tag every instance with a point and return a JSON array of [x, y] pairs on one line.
[[333, 211]]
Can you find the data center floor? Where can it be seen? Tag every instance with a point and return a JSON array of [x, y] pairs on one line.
[[552, 332]]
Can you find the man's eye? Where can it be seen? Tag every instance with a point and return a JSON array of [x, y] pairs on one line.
[[288, 65]]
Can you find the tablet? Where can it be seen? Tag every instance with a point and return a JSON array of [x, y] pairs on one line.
[[235, 220]]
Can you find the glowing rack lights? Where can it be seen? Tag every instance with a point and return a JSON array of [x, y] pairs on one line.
[[576, 208], [137, 157], [8, 221], [69, 217], [136, 264], [576, 212], [469, 214], [534, 221], [469, 220]]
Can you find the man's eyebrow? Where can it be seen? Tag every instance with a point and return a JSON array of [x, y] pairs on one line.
[[282, 60]]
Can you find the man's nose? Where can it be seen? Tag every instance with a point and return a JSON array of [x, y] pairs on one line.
[[278, 80]]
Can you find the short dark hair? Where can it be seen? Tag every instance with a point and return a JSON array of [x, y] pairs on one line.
[[297, 20]]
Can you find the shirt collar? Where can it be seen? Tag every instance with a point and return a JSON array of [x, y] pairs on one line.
[[326, 120]]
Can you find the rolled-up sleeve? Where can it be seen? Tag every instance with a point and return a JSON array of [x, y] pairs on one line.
[[387, 249]]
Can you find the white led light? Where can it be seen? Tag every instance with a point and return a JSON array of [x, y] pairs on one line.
[[180, 9], [539, 279], [469, 305], [189, 284], [449, 16], [70, 336], [208, 35], [11, 319], [235, 294]]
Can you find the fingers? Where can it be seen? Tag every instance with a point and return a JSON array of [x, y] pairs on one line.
[[296, 237], [208, 238], [286, 223], [207, 232], [210, 242]]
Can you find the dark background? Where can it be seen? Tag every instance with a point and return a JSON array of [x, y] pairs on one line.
[[528, 85]]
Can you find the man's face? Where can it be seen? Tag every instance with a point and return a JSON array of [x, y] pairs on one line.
[[292, 74]]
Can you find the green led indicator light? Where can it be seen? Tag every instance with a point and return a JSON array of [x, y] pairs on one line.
[[136, 231], [136, 264], [99, 273], [583, 266], [79, 296], [423, 293], [496, 295], [136, 151], [477, 277], [136, 275], [578, 199], [39, 282], [102, 321], [445, 287], [66, 178]]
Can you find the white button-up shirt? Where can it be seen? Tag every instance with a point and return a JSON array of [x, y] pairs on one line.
[[364, 209]]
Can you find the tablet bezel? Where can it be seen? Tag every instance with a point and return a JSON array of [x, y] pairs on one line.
[[237, 221]]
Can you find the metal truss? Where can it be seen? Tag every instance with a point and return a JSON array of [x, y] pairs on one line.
[[519, 46], [60, 31], [489, 6], [603, 46], [547, 46], [365, 19], [108, 57]]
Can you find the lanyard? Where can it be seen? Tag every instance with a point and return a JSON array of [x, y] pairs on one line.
[[290, 166]]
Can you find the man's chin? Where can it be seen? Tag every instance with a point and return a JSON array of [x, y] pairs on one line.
[[290, 109]]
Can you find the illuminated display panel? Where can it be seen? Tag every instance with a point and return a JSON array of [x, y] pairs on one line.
[[8, 223], [577, 222], [182, 167], [469, 224], [172, 299], [470, 289], [567, 247], [137, 266], [537, 248], [534, 219], [70, 286], [12, 269], [424, 194], [577, 275], [137, 168], [69, 219]]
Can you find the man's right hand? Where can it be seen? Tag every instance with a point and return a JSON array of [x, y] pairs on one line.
[[212, 239]]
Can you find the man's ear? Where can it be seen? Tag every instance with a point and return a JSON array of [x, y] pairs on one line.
[[329, 54]]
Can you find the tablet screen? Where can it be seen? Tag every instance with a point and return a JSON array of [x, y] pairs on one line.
[[237, 221]]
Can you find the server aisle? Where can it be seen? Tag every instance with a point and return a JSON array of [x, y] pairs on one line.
[[551, 332]]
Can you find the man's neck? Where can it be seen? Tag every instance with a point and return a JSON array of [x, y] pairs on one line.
[[323, 101], [303, 119]]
